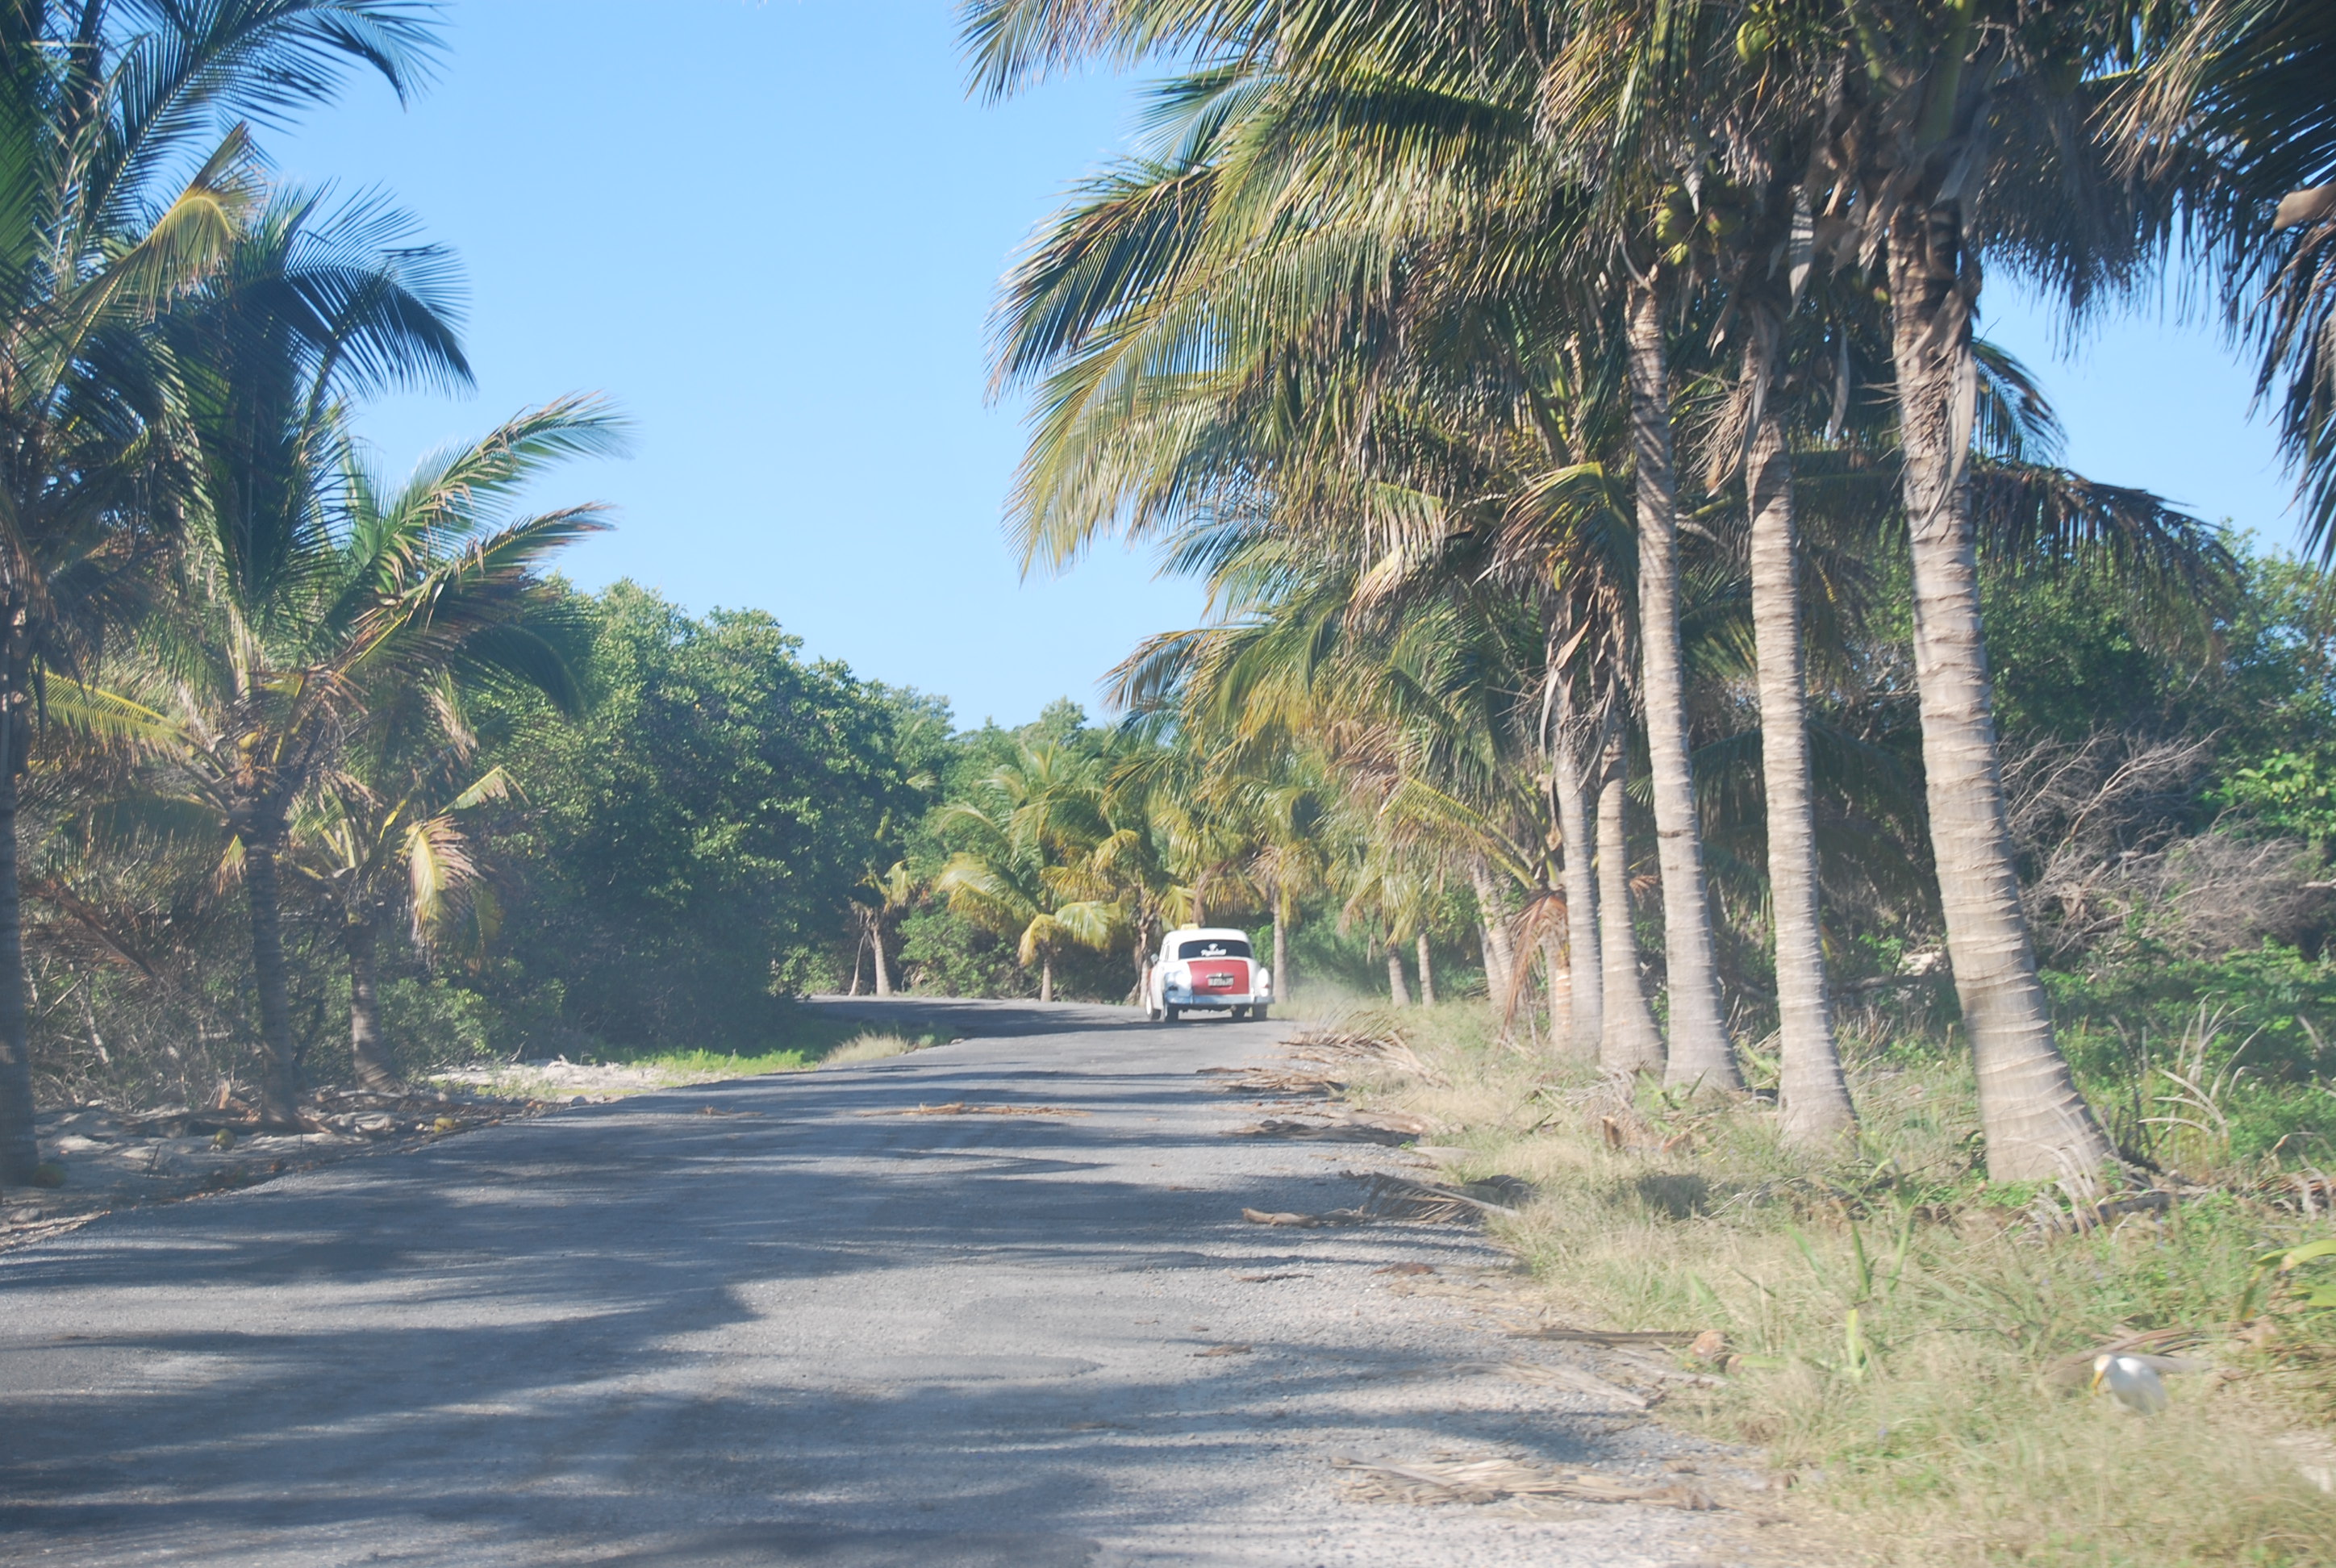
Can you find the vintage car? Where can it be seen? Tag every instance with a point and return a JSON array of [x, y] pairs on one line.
[[1207, 966]]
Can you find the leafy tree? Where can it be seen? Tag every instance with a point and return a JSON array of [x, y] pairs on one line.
[[683, 854]]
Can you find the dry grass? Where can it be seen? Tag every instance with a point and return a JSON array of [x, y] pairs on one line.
[[871, 1047], [1896, 1333]]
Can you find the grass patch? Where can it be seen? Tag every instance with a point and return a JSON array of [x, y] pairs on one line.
[[704, 1066], [829, 1044], [1896, 1322], [876, 1047]]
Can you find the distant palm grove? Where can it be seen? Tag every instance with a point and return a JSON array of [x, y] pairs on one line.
[[1643, 599]]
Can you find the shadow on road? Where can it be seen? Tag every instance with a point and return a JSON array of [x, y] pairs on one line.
[[657, 1331]]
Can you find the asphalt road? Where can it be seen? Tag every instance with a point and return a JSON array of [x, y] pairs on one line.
[[805, 1330]]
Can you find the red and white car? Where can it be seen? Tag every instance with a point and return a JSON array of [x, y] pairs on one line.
[[1209, 967]]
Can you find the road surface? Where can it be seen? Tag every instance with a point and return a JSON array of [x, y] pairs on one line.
[[804, 1330]]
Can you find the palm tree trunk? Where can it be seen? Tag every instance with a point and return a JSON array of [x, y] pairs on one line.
[[1580, 878], [360, 939], [1811, 1092], [20, 1152], [1397, 992], [2037, 1124], [1282, 985], [1699, 1051], [1046, 978], [876, 942], [1426, 973], [1500, 959], [278, 1073], [1558, 965], [1630, 1043]]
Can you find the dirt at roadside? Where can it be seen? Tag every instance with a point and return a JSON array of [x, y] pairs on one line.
[[115, 1160], [118, 1160]]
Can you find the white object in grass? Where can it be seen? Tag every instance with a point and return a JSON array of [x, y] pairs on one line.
[[2133, 1382]]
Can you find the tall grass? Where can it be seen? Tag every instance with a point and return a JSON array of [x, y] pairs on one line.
[[874, 1046], [1911, 1340]]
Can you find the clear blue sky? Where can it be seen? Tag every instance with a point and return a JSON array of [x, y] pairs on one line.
[[771, 232]]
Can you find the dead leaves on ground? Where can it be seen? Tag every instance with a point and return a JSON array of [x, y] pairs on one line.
[[1404, 1198], [1390, 1197], [1345, 1047], [1268, 1081], [1305, 1221]]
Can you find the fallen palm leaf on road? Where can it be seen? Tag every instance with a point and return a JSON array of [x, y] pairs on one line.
[[1268, 1081], [1335, 1047], [1224, 1350], [1482, 1481], [1305, 1221], [1402, 1198]]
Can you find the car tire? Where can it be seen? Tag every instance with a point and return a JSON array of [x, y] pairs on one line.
[[1259, 1012], [1172, 1015]]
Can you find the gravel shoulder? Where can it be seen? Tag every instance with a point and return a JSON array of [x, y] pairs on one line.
[[992, 1303]]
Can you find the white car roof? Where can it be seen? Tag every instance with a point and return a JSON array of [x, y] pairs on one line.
[[1226, 932]]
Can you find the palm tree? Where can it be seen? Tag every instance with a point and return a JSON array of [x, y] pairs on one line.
[[386, 828], [300, 615], [1026, 866], [1947, 107], [104, 106], [1699, 1052], [1151, 271], [1630, 1042], [384, 825], [1339, 159], [1813, 1095], [882, 897]]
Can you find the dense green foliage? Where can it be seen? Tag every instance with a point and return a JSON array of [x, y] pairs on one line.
[[681, 856]]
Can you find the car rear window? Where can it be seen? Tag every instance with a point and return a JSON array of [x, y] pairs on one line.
[[1214, 948]]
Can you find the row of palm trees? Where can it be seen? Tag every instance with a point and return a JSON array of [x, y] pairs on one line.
[[1106, 840], [1465, 348], [224, 641], [1107, 843]]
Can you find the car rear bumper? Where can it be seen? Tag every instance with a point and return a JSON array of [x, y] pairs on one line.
[[1184, 999]]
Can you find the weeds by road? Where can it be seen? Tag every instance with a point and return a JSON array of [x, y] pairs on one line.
[[1915, 1344], [614, 1076]]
